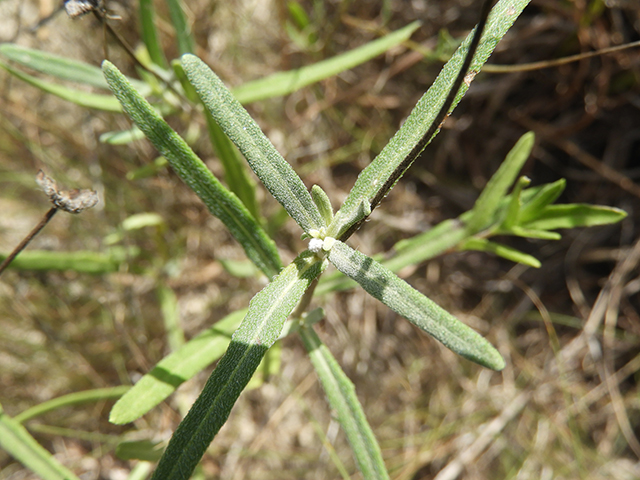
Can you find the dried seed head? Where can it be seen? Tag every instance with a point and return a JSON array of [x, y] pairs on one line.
[[78, 8], [71, 201]]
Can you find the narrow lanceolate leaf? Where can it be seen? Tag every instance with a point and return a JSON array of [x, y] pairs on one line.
[[375, 176], [236, 173], [512, 213], [284, 83], [184, 36], [273, 170], [176, 368], [444, 236], [574, 215], [61, 67], [544, 195], [261, 327], [484, 245], [82, 261], [79, 97], [17, 442], [403, 299], [342, 397], [497, 187], [71, 399], [150, 33], [170, 314], [222, 203], [122, 137], [324, 204]]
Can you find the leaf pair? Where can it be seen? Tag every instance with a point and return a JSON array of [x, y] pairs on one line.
[[289, 190]]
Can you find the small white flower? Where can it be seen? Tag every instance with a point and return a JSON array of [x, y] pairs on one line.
[[315, 245]]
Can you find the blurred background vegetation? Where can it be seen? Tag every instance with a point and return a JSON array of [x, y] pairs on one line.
[[563, 408]]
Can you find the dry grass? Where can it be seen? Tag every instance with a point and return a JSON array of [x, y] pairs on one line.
[[566, 406]]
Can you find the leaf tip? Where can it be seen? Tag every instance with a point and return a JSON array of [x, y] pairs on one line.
[[118, 417], [492, 360], [188, 58], [107, 65]]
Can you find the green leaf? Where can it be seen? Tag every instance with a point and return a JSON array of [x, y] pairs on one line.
[[574, 215], [342, 397], [122, 137], [82, 261], [334, 282], [176, 368], [484, 245], [150, 34], [284, 83], [181, 76], [261, 327], [269, 366], [142, 220], [169, 308], [148, 170], [84, 99], [298, 15], [139, 450], [534, 233], [17, 442], [72, 399], [308, 319], [238, 268], [372, 180], [444, 236], [496, 189], [323, 203], [186, 43], [273, 170], [403, 299], [141, 471], [222, 203], [61, 67], [515, 204], [235, 170], [545, 195]]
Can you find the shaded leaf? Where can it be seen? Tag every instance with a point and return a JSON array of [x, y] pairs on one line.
[[139, 450], [174, 369]]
